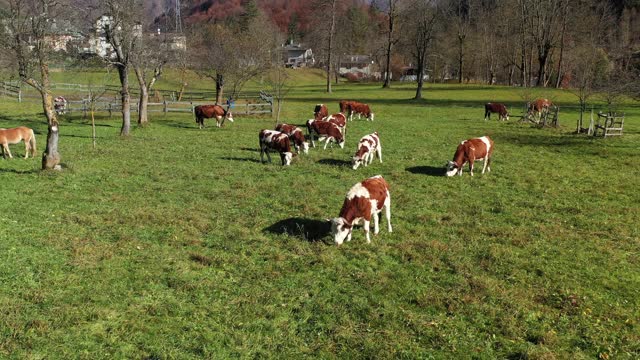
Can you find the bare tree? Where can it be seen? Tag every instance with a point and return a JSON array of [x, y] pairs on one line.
[[392, 16], [26, 33], [233, 56], [589, 68], [123, 30], [419, 21], [148, 60], [544, 22]]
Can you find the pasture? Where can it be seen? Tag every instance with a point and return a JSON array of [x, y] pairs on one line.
[[178, 243]]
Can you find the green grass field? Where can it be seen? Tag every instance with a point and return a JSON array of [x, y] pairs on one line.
[[177, 243]]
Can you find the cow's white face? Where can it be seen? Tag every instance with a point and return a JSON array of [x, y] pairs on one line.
[[341, 144], [340, 230], [452, 168], [305, 147], [287, 158], [230, 116], [355, 162]]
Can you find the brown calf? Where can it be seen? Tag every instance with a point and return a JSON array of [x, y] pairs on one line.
[[470, 151]]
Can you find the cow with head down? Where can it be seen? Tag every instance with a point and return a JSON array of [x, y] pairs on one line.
[[470, 151], [368, 147], [271, 140], [539, 107], [296, 136], [202, 112], [498, 108], [326, 131], [360, 109], [345, 105], [364, 201]]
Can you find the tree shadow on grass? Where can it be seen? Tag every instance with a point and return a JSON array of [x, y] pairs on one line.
[[311, 230], [31, 171], [334, 162], [426, 170], [242, 159]]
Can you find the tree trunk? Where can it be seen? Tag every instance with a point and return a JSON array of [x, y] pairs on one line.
[[143, 100], [460, 57], [123, 72], [330, 47], [143, 119], [392, 20], [542, 73], [219, 88], [420, 75], [50, 157]]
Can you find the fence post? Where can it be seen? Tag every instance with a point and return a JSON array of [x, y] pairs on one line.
[[84, 108], [109, 110], [19, 95], [164, 107]]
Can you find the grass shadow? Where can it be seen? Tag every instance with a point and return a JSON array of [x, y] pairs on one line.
[[426, 170], [334, 162], [250, 149], [32, 171], [311, 230], [241, 159]]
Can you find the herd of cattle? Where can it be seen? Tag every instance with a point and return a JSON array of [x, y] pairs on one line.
[[366, 199]]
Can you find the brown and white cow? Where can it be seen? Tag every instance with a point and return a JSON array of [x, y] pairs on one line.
[[276, 141], [295, 135], [470, 151], [202, 112], [340, 120], [326, 131], [368, 146], [345, 105], [498, 108], [364, 201], [360, 109], [320, 112], [539, 106]]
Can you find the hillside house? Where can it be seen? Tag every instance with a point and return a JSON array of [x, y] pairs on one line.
[[297, 55]]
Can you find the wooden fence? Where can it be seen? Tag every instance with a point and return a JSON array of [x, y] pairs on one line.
[[166, 107], [248, 103]]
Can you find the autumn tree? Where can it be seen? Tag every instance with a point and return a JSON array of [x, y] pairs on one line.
[[25, 34]]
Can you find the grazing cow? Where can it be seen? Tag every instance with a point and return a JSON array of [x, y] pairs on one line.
[[470, 151], [539, 106], [60, 105], [295, 135], [368, 146], [365, 200], [345, 105], [360, 109], [277, 141], [326, 131], [340, 120], [14, 136], [212, 111], [320, 112], [500, 109]]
